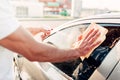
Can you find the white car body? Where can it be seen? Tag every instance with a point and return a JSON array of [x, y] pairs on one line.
[[64, 36], [110, 66]]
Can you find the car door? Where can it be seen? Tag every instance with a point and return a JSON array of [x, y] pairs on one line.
[[65, 38]]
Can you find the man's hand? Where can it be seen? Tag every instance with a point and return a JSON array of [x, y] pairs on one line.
[[39, 33], [85, 46], [92, 37]]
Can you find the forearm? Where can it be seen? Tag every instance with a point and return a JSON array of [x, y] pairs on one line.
[[53, 54], [23, 43]]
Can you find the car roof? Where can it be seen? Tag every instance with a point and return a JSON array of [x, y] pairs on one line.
[[107, 18], [106, 15], [100, 18]]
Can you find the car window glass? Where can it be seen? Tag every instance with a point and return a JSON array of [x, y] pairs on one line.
[[66, 37]]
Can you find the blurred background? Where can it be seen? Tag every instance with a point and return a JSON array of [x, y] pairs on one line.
[[52, 13]]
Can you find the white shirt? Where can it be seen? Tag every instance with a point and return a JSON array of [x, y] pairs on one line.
[[8, 24]]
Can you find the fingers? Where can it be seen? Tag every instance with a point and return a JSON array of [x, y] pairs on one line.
[[90, 38], [89, 33], [46, 33], [93, 37], [89, 42], [95, 44], [93, 34]]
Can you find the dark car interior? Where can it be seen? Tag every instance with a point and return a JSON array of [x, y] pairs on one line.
[[82, 69]]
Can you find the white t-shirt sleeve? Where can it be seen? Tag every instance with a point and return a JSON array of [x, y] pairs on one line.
[[8, 23]]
